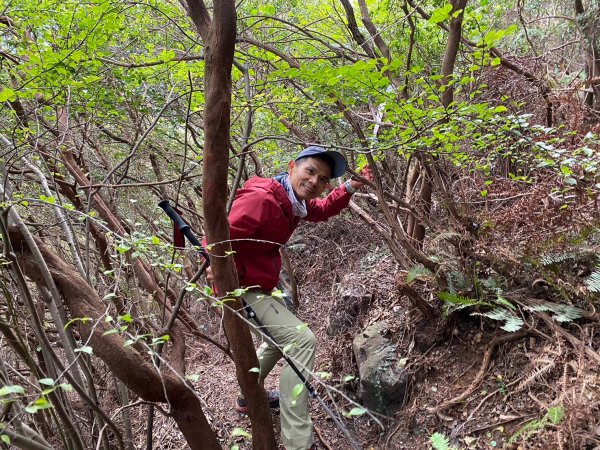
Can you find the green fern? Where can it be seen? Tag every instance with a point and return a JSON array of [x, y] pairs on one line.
[[440, 442], [560, 313], [593, 281], [553, 416], [503, 302], [512, 323], [556, 258], [454, 302]]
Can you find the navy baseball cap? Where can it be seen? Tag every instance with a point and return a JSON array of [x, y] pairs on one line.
[[336, 160]]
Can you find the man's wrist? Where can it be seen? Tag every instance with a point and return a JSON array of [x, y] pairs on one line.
[[349, 188]]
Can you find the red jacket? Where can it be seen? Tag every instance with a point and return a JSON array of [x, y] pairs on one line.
[[261, 220]]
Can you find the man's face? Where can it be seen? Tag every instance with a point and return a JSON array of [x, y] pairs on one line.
[[309, 177]]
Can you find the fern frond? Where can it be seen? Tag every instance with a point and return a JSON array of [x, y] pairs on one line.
[[459, 302], [534, 375], [503, 302], [439, 441], [555, 258], [593, 281], [512, 323], [560, 313]]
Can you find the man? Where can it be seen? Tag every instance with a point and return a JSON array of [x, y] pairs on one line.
[[265, 213]]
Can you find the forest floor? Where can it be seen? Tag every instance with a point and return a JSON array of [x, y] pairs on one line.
[[476, 384]]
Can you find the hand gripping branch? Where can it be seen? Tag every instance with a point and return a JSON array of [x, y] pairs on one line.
[[186, 230]]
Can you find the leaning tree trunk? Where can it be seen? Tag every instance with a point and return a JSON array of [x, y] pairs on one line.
[[128, 365], [219, 37]]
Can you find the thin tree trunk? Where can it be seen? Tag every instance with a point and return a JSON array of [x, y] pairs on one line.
[[219, 37], [420, 163]]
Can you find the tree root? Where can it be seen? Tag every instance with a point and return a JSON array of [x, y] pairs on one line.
[[485, 363]]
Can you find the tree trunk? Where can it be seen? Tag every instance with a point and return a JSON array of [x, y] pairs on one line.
[[219, 37], [589, 23], [452, 45], [127, 364], [420, 163]]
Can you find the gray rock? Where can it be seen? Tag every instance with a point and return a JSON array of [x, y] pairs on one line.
[[352, 300], [383, 379]]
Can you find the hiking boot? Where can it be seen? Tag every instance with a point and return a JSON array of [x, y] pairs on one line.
[[241, 405]]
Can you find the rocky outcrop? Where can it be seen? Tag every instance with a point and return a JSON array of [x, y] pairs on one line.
[[382, 377]]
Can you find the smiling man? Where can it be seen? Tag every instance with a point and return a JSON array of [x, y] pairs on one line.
[[265, 213]]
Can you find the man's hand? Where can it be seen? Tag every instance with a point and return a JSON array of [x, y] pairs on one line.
[[209, 276], [366, 173]]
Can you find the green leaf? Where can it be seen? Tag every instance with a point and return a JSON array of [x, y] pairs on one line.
[[277, 293], [297, 390], [46, 381], [502, 301], [325, 375], [441, 14], [5, 438], [77, 319], [192, 377], [240, 432], [11, 389], [49, 199], [355, 412], [85, 349], [40, 403], [123, 248], [254, 370], [238, 292], [7, 94], [348, 378], [126, 318]]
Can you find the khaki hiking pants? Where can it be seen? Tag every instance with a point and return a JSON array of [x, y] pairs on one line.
[[293, 335]]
